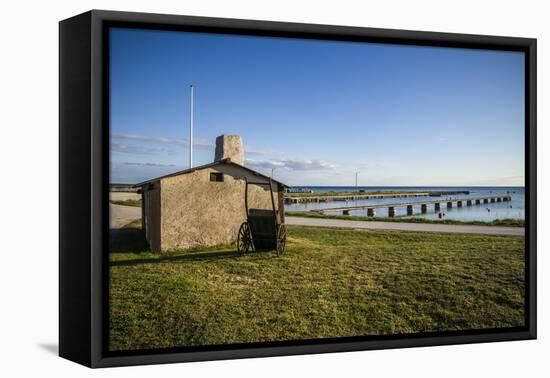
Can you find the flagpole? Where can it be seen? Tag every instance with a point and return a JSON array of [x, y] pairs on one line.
[[191, 128]]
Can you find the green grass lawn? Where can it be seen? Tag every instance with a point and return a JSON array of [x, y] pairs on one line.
[[127, 202], [329, 283], [496, 222]]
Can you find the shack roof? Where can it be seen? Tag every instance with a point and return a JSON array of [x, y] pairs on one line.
[[210, 165]]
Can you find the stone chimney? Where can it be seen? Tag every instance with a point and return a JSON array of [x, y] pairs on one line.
[[230, 146]]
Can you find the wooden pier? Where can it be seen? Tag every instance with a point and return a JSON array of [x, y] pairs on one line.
[[459, 202]]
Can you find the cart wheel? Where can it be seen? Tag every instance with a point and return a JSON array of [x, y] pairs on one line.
[[281, 239], [244, 241]]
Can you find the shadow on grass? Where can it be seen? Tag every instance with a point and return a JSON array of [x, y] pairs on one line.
[[131, 240], [127, 240], [202, 256]]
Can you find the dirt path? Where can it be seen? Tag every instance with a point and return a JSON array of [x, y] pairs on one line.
[[122, 215], [421, 227]]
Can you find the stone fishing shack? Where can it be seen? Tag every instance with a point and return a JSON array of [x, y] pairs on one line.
[[204, 205]]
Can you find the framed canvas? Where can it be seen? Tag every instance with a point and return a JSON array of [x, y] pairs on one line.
[[235, 188]]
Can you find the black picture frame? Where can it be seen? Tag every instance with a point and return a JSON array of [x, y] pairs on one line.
[[84, 185]]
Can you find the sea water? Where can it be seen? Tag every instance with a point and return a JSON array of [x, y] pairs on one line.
[[514, 209]]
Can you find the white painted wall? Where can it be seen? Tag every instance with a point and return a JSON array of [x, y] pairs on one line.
[[28, 271]]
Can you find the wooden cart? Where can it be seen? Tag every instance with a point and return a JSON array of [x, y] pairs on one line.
[[262, 230]]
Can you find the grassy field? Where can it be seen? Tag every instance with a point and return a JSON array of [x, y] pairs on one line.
[[127, 202], [329, 283], [496, 222]]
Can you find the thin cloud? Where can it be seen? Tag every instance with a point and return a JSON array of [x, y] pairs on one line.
[[138, 150], [184, 142], [197, 143], [148, 164], [295, 165]]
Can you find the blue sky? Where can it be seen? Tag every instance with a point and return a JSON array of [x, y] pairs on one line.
[[317, 111]]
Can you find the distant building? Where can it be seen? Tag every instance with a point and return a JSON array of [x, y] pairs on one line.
[[204, 205]]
